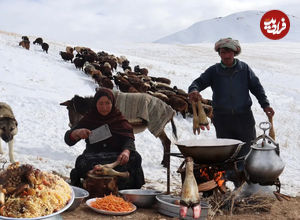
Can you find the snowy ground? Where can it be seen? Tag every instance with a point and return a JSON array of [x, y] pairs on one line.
[[33, 83]]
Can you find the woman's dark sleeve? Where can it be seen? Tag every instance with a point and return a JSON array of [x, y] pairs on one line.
[[128, 143], [68, 139]]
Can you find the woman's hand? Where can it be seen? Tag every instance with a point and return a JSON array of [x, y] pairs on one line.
[[81, 133], [124, 157]]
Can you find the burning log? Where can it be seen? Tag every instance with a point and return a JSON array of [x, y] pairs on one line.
[[209, 185], [189, 194], [207, 177], [215, 179]]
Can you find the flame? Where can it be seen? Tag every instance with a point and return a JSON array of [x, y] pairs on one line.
[[219, 178], [204, 173]]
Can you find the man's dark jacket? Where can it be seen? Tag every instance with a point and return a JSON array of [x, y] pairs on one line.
[[231, 87]]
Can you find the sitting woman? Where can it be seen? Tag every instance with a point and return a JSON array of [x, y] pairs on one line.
[[115, 143]]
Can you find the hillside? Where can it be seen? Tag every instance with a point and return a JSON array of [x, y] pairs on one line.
[[244, 26]]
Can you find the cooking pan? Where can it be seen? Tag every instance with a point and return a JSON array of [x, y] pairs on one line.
[[209, 151]]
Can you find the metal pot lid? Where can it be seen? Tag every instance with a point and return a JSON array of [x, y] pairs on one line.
[[264, 146], [208, 142]]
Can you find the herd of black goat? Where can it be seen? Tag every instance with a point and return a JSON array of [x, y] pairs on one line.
[[26, 43], [103, 68]]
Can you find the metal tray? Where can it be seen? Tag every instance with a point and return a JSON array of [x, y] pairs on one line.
[[166, 206]]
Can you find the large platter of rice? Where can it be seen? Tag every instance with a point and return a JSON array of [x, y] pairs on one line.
[[45, 196]]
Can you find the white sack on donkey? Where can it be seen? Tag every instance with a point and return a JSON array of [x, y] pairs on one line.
[[8, 128]]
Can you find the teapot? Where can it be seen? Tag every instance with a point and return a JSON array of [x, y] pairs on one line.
[[263, 164]]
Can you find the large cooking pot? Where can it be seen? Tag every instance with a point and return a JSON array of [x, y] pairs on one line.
[[263, 164], [210, 151]]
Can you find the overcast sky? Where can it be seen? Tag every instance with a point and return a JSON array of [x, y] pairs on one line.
[[84, 21]]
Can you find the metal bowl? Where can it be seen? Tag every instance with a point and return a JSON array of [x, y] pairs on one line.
[[53, 216], [208, 151], [143, 198], [167, 205], [80, 195]]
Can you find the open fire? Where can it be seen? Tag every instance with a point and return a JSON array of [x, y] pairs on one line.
[[214, 176], [207, 177], [217, 176]]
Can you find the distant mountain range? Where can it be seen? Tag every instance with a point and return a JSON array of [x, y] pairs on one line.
[[244, 26]]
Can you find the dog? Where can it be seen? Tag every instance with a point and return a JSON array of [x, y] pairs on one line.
[[8, 128]]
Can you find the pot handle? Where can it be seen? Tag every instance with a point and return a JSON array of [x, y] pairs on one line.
[[265, 128], [265, 137], [236, 151]]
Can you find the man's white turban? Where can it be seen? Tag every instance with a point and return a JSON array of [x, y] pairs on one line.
[[228, 43]]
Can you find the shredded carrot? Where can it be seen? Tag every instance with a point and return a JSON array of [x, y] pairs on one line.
[[112, 203]]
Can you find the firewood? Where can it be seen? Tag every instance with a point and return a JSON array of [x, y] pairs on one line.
[[209, 185], [281, 196]]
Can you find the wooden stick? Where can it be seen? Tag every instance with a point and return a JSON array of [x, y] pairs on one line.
[[281, 196], [207, 186], [271, 131]]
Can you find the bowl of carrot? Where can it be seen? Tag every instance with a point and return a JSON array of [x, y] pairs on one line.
[[111, 205]]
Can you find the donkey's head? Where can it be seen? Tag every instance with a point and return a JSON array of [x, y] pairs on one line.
[[77, 107]]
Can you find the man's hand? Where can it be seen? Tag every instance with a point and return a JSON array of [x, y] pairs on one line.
[[269, 111], [194, 96]]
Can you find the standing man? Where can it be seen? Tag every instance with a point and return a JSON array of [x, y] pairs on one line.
[[231, 80]]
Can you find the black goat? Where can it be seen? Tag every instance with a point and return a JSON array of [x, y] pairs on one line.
[[45, 47], [39, 41], [78, 62], [25, 38], [66, 56]]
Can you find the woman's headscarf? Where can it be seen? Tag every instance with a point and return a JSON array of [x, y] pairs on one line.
[[115, 120], [228, 43]]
